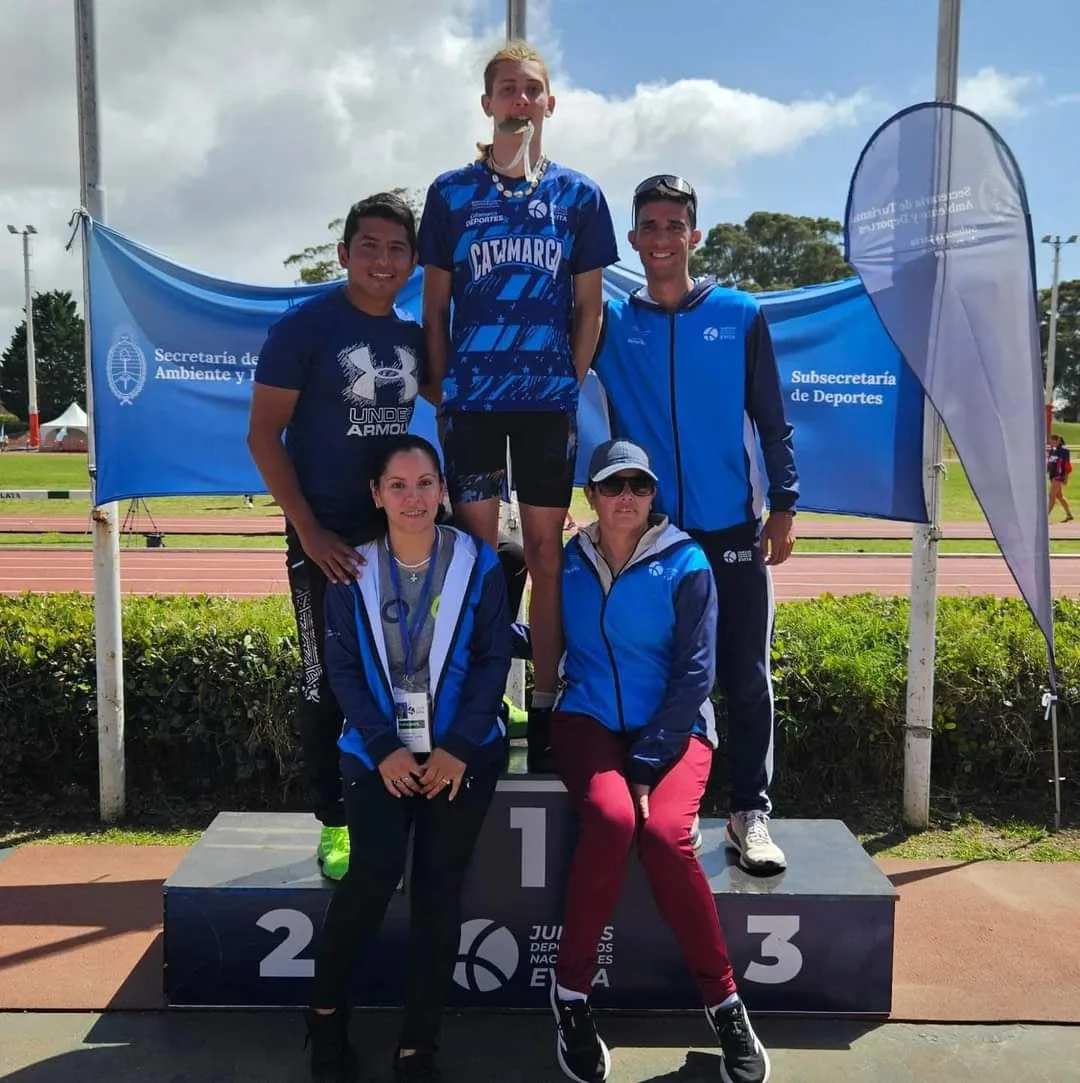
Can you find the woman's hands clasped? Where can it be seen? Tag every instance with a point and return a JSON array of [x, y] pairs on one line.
[[404, 777]]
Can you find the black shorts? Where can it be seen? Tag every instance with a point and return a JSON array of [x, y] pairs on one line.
[[543, 450]]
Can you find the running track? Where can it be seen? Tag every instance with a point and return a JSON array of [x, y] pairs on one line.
[[253, 573], [846, 527]]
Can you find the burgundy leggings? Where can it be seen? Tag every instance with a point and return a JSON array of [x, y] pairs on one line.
[[590, 762]]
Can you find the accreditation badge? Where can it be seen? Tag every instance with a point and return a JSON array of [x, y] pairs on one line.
[[413, 716]]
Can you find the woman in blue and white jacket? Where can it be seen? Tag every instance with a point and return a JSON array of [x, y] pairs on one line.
[[417, 654], [633, 739]]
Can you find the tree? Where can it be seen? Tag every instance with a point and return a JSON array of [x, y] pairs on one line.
[[319, 262], [1067, 354], [59, 349], [772, 251]]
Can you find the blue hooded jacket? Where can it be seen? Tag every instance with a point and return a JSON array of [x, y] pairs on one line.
[[641, 647], [468, 663], [698, 388]]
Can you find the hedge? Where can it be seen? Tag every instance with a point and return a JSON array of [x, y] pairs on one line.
[[210, 690]]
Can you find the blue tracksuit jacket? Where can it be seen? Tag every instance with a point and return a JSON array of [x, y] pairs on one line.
[[468, 663], [641, 648], [698, 388]]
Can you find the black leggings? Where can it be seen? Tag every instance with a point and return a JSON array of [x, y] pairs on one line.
[[444, 836]]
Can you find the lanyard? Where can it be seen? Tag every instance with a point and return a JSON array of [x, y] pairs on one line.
[[411, 635]]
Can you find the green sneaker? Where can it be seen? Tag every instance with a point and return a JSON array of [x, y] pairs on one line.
[[333, 852], [515, 718]]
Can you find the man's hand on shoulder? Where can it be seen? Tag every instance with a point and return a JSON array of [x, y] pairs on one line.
[[778, 537], [339, 561]]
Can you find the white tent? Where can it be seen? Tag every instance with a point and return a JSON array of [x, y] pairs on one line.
[[68, 432]]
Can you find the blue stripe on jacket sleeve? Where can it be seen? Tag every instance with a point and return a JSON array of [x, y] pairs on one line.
[[693, 672], [346, 676], [765, 405], [488, 666]]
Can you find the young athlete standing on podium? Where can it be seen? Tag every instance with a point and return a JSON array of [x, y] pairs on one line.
[[689, 372], [518, 245], [417, 654], [338, 377], [633, 738]]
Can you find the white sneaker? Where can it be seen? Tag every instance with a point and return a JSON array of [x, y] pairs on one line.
[[748, 832], [695, 835]]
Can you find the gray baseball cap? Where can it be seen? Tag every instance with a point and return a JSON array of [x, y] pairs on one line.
[[615, 455]]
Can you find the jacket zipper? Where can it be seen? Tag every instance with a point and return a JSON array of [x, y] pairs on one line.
[[603, 635], [675, 424]]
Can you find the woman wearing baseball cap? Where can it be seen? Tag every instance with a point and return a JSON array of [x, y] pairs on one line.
[[633, 738]]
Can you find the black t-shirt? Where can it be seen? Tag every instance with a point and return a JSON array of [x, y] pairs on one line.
[[358, 376]]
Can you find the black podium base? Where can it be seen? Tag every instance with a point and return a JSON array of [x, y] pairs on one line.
[[244, 910]]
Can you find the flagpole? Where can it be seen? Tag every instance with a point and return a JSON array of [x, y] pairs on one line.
[[108, 632], [922, 625], [515, 20]]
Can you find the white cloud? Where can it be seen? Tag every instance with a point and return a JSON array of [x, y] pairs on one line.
[[996, 95], [233, 132]]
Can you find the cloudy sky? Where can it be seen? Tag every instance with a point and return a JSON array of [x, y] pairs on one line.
[[234, 130]]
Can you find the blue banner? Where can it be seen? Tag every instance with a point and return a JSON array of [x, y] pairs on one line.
[[174, 352], [939, 231]]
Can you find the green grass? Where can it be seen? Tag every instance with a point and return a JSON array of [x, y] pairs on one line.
[[902, 545], [273, 540], [970, 838]]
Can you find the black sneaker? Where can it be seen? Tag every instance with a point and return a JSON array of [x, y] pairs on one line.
[[581, 1052], [745, 1059], [419, 1067], [539, 760], [333, 1060]]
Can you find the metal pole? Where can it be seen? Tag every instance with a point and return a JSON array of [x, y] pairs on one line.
[[515, 20], [922, 624], [108, 631], [1051, 342], [33, 418]]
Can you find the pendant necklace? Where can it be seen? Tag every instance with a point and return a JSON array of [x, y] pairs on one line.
[[517, 193], [413, 569]]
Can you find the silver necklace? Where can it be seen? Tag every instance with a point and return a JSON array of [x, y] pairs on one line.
[[517, 193], [412, 568]]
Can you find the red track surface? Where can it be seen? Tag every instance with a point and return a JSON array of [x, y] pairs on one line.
[[846, 527], [253, 573]]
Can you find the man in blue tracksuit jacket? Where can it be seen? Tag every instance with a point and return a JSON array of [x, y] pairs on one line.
[[689, 372]]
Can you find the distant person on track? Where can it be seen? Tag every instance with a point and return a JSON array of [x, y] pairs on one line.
[[690, 374], [337, 377], [1058, 469]]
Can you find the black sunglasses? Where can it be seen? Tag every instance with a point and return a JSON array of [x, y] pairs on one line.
[[666, 184], [640, 485]]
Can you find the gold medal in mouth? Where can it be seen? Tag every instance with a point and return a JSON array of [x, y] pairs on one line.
[[515, 125]]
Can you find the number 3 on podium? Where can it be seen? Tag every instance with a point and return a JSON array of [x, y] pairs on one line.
[[777, 945]]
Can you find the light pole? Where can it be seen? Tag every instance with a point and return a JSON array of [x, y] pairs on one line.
[[1051, 339], [31, 370], [515, 20]]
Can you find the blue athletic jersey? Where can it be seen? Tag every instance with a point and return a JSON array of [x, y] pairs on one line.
[[513, 263], [358, 376]]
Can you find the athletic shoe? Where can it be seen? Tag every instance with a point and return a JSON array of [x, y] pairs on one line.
[[745, 1059], [420, 1067], [333, 852], [514, 718], [333, 1060], [538, 735], [580, 1051], [695, 835], [748, 832]]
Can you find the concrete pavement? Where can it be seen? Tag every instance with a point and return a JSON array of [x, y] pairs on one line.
[[247, 1047]]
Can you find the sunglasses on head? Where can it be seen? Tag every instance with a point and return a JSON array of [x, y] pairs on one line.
[[640, 485], [666, 184]]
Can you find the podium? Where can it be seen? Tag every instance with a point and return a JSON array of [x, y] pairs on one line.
[[244, 910]]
